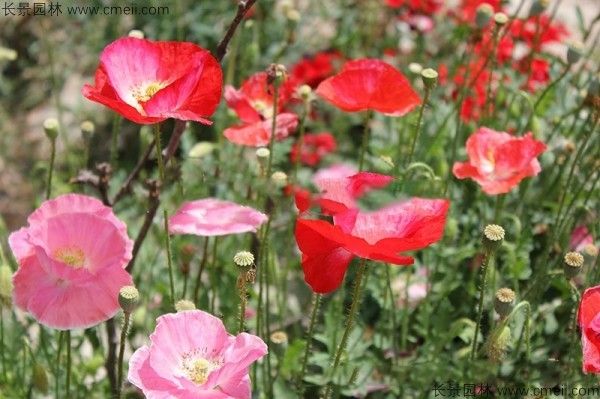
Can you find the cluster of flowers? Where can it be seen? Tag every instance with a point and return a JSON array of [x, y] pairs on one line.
[[519, 46]]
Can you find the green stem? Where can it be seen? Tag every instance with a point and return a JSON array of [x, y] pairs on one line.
[[214, 276], [405, 312], [159, 157], [273, 129], [68, 377], [498, 208], [413, 145], [169, 260], [124, 332], [2, 350], [482, 287], [51, 168], [356, 299], [243, 299], [543, 94], [316, 301], [57, 365], [200, 270], [365, 139], [114, 145]]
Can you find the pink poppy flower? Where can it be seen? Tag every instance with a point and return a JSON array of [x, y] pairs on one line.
[[589, 322], [215, 217], [150, 81], [191, 355], [71, 262], [498, 161], [341, 185], [327, 249]]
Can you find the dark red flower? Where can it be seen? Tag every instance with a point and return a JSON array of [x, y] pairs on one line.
[[468, 8], [589, 322], [313, 70], [426, 7], [369, 84], [382, 235], [150, 81], [314, 147], [498, 161], [537, 72]]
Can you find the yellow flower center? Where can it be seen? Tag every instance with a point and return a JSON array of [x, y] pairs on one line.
[[198, 371], [263, 108], [72, 256], [145, 92]]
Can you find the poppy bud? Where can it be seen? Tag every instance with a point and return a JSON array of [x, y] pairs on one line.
[[430, 77], [415, 68], [572, 264], [87, 128], [538, 7], [276, 74], [493, 235], [243, 259], [184, 304], [504, 301], [574, 52], [6, 285], [500, 19], [39, 378], [136, 33], [187, 253], [51, 128], [279, 178], [7, 54], [483, 15], [128, 298], [498, 344], [305, 92]]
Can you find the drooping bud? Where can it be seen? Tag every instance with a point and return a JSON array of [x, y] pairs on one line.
[[493, 235], [51, 128], [184, 304], [483, 15], [39, 378], [128, 298], [498, 344], [504, 301], [572, 264], [430, 77], [276, 74]]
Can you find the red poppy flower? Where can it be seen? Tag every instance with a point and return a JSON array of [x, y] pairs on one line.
[[314, 147], [498, 161], [254, 100], [538, 73], [258, 134], [369, 84], [589, 322], [548, 31], [313, 70], [427, 7], [253, 104], [150, 81], [381, 235]]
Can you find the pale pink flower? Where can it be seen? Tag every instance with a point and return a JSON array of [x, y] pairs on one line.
[[581, 239], [71, 262], [191, 355], [215, 217]]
